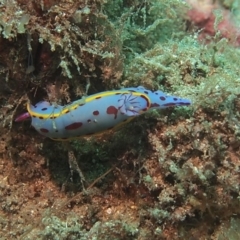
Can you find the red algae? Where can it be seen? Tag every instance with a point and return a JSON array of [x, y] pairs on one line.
[[212, 18]]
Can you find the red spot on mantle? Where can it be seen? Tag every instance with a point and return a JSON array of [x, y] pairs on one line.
[[44, 130], [96, 113], [74, 126], [112, 110]]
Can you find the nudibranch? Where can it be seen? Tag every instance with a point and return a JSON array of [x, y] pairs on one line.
[[96, 113]]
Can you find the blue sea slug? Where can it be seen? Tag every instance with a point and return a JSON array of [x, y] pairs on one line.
[[96, 113]]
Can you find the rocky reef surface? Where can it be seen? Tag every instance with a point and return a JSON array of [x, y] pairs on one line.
[[170, 174]]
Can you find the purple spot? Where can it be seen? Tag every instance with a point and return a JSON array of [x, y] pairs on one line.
[[162, 98]]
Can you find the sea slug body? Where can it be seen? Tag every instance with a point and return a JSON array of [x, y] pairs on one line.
[[96, 113]]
